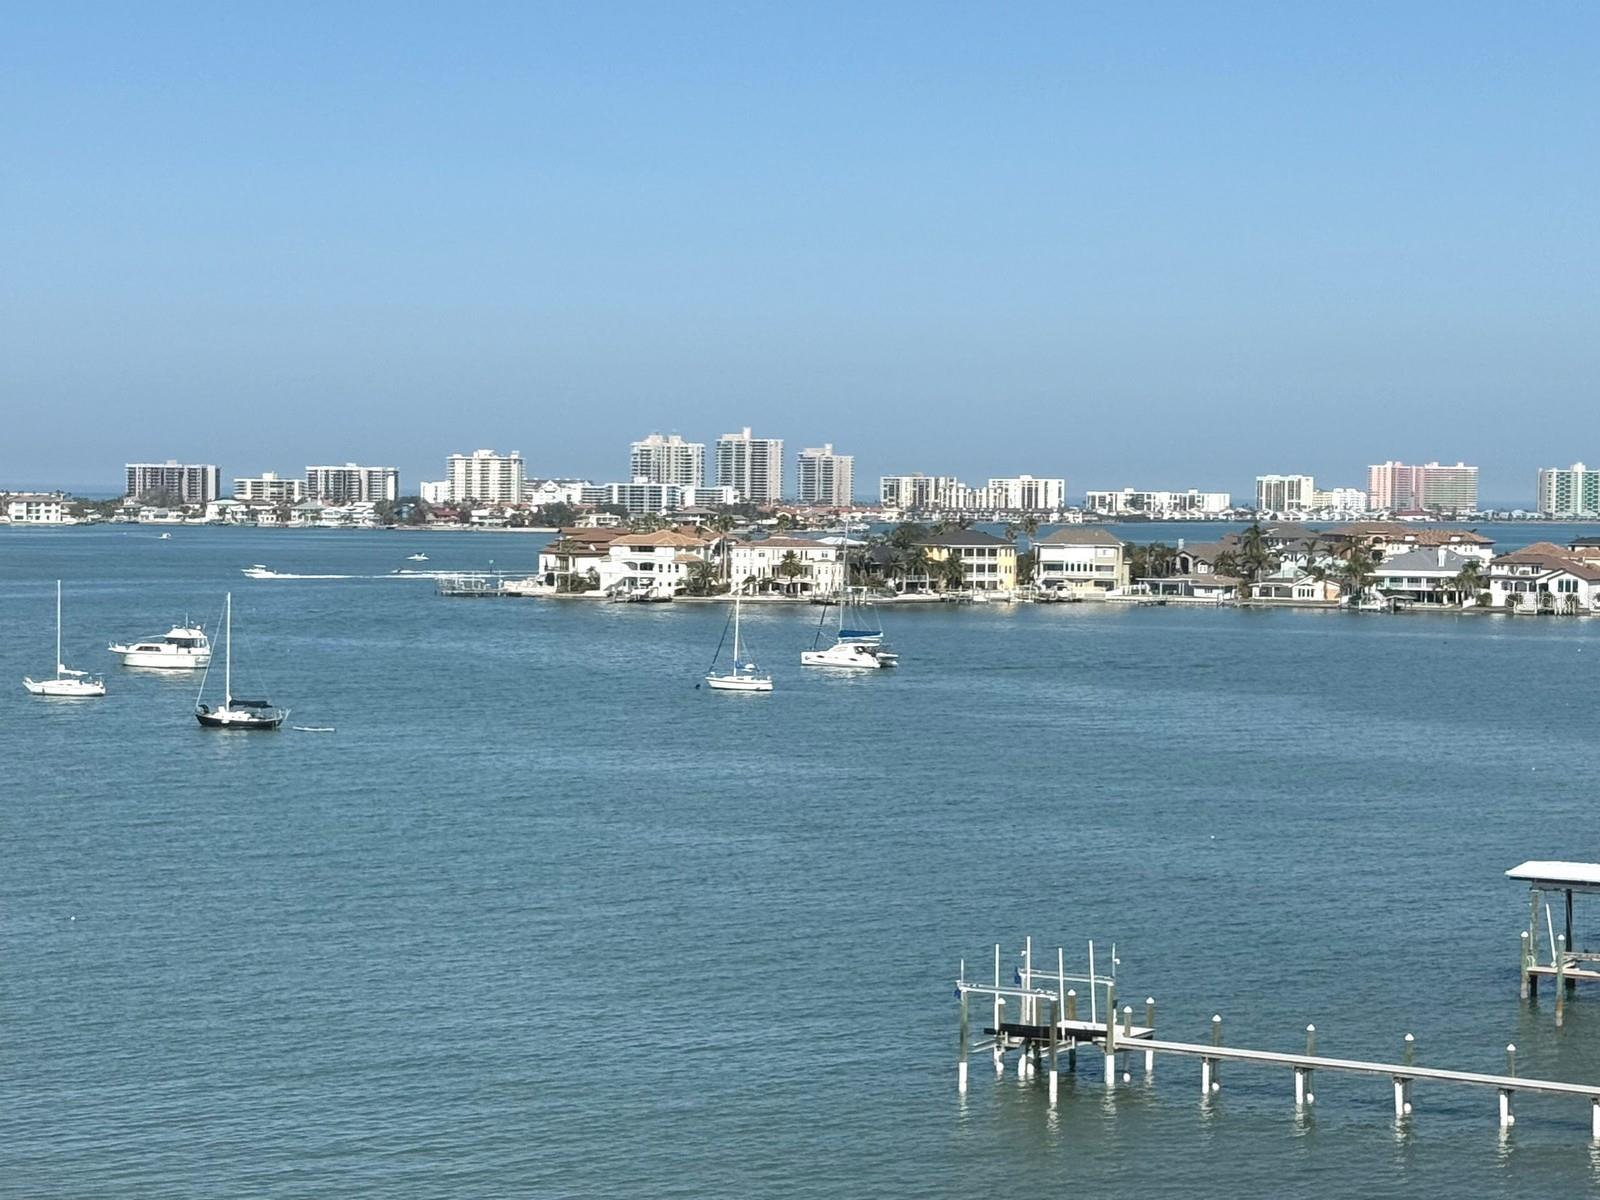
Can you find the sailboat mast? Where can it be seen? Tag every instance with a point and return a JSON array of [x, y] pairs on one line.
[[736, 599], [227, 659], [59, 663]]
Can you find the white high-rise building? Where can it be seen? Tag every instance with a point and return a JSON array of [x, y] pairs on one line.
[[917, 493], [668, 459], [269, 488], [1569, 491], [434, 491], [1134, 501], [1281, 493], [1024, 493], [485, 476], [350, 484], [187, 483], [825, 478], [1432, 487], [751, 466]]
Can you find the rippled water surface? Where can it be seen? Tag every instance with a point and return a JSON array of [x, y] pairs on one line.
[[541, 918]]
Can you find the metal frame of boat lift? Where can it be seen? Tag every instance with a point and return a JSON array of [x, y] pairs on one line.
[[1048, 1023]]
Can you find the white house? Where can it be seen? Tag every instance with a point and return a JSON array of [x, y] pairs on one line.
[[753, 564], [1090, 562], [39, 508], [1544, 577], [1423, 576]]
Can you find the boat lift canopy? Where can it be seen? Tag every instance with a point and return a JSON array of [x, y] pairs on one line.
[[1553, 876]]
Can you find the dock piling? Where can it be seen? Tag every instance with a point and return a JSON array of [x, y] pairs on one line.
[[999, 1038], [1055, 1038], [1150, 1024], [1216, 1040], [1561, 980], [1111, 1034], [1304, 1096], [1524, 963], [1402, 1083], [961, 1062], [1506, 1119]]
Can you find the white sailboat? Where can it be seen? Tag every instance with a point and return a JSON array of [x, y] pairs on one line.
[[743, 677], [234, 712], [856, 647], [67, 682]]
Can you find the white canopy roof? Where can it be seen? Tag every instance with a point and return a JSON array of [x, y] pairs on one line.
[[1558, 874]]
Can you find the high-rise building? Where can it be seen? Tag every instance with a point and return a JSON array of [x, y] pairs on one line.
[[669, 459], [1281, 493], [269, 488], [1431, 487], [825, 478], [1025, 494], [351, 484], [918, 493], [185, 483], [1345, 499], [485, 476], [751, 466], [1133, 501], [1569, 491]]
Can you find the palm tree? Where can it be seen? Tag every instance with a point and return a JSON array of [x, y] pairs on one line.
[[1356, 572], [791, 568], [1254, 554], [1468, 581], [951, 573], [702, 580], [915, 563], [1025, 564]]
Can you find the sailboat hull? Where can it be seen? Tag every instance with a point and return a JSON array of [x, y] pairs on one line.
[[739, 683], [224, 718], [70, 689], [848, 656]]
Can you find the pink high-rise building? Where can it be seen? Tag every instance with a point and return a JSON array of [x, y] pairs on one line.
[[1428, 488]]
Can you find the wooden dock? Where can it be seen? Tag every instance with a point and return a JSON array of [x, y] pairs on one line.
[[1047, 1024]]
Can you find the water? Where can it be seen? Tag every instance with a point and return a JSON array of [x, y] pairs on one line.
[[542, 919]]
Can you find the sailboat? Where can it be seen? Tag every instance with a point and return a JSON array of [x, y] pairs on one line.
[[234, 712], [856, 647], [743, 677], [67, 682]]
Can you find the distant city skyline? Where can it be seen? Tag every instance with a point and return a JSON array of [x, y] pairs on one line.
[[1158, 246]]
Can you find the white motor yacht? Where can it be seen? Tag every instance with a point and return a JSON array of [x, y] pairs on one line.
[[181, 648], [67, 682], [859, 645]]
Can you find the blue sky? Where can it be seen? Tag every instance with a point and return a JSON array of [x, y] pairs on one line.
[[1147, 244]]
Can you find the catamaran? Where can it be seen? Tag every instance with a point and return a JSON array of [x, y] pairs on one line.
[[857, 646], [234, 712], [743, 677], [67, 682]]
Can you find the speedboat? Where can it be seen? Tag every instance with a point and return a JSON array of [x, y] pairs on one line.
[[416, 558], [182, 648], [67, 683]]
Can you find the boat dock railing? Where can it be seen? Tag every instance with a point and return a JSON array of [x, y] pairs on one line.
[[1048, 1023]]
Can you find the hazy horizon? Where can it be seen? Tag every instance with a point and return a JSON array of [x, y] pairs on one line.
[[1155, 245]]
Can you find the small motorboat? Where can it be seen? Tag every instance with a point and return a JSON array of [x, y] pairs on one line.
[[416, 558]]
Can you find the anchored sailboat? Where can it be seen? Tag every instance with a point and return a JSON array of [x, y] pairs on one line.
[[742, 677], [858, 644], [67, 682], [234, 712]]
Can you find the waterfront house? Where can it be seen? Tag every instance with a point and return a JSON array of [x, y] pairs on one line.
[[39, 508], [1209, 588], [988, 563], [1290, 585], [1080, 561], [655, 564], [757, 565], [1386, 539], [1423, 576], [1544, 577]]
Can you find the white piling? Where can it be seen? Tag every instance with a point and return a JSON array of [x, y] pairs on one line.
[[1150, 1024], [1205, 1077], [1506, 1119], [1302, 1088], [1594, 1119]]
